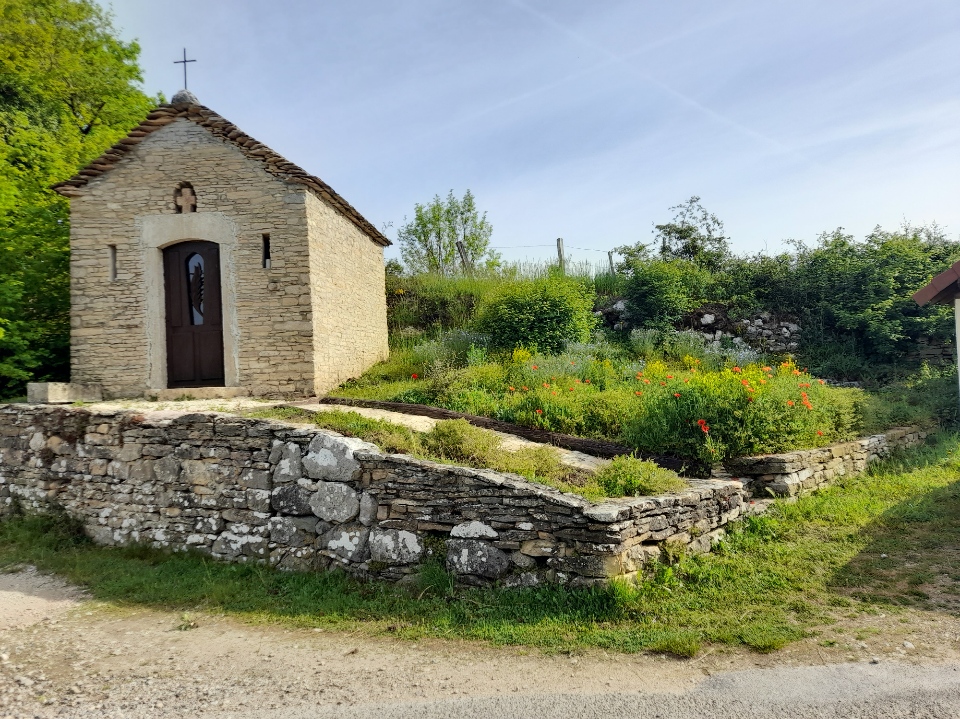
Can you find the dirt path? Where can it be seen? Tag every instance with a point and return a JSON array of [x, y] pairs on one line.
[[62, 655]]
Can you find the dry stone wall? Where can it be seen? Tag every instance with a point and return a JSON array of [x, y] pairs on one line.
[[307, 499], [304, 498], [793, 473]]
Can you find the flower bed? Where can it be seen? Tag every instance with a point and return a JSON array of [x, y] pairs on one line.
[[685, 408]]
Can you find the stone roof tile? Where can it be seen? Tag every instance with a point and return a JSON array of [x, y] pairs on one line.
[[273, 163]]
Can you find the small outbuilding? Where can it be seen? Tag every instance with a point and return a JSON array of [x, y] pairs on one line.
[[204, 263]]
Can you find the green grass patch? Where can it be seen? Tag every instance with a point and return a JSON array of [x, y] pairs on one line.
[[451, 442], [775, 578]]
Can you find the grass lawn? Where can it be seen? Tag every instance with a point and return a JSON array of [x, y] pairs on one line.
[[777, 578]]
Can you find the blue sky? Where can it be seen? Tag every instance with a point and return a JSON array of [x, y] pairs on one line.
[[588, 120]]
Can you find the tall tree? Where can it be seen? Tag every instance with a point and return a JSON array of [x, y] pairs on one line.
[[69, 88], [428, 243], [694, 234]]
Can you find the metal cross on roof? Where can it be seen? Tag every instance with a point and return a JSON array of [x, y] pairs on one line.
[[184, 63]]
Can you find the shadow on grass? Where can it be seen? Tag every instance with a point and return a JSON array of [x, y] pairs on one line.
[[913, 554]]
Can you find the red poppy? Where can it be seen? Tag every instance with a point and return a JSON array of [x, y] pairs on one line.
[[539, 411], [535, 367], [571, 389], [676, 394], [586, 381], [819, 433], [413, 376]]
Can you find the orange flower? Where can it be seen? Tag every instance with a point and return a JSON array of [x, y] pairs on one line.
[[737, 370], [819, 433], [638, 393], [663, 384], [586, 381], [525, 389], [512, 389], [676, 394], [821, 381], [539, 411], [790, 403], [571, 389], [767, 369], [535, 367], [669, 376], [646, 381], [749, 399], [546, 384]]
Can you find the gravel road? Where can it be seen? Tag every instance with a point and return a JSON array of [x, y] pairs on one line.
[[845, 691], [65, 656]]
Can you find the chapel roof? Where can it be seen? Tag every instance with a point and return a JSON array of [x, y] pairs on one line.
[[942, 289], [272, 162]]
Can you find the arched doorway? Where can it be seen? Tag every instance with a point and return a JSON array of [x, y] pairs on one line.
[[191, 276]]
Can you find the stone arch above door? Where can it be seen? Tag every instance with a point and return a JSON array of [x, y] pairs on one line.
[[160, 231]]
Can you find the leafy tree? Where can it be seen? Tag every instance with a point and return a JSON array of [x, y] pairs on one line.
[[694, 235], [69, 88], [428, 243]]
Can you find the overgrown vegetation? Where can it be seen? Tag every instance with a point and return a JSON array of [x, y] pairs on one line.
[[870, 543], [662, 393]]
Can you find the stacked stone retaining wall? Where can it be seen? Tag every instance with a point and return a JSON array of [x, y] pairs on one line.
[[793, 473], [307, 499]]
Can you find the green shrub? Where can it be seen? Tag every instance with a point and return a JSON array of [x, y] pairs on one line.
[[541, 315], [660, 292], [633, 477]]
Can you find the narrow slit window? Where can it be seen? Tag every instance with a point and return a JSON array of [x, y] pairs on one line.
[[266, 251], [113, 262]]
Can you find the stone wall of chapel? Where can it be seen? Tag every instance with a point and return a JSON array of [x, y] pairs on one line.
[[109, 343], [349, 297]]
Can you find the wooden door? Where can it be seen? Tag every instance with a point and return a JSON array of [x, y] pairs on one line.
[[191, 274]]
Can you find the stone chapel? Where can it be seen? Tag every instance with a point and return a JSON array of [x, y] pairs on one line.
[[203, 263]]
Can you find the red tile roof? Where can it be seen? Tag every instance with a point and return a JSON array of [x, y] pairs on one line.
[[203, 116]]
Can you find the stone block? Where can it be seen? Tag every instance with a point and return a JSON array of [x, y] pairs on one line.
[[331, 458], [394, 546], [63, 392], [472, 556], [335, 502], [289, 466], [347, 541], [291, 499], [473, 530]]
